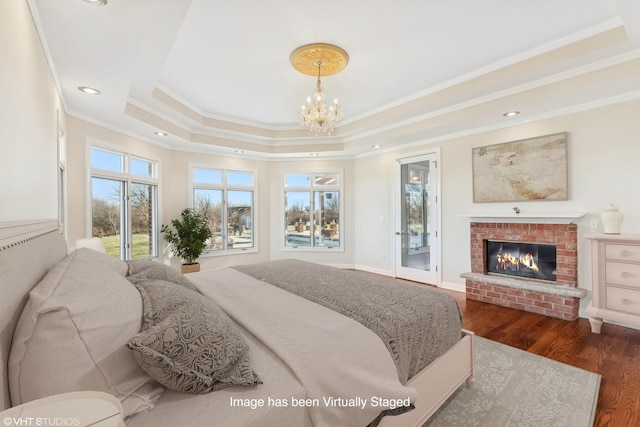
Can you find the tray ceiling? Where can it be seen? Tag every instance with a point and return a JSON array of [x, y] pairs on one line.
[[216, 76]]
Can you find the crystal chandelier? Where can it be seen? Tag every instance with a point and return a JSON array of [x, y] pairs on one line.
[[315, 114]]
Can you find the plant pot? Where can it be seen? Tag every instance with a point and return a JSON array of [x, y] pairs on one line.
[[190, 268]]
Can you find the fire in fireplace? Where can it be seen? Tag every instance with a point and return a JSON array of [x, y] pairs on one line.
[[535, 261]]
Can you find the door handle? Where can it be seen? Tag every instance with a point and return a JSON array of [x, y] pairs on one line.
[[400, 233]]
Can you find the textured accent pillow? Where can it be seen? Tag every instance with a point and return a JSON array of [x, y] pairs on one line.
[[188, 343], [147, 269], [73, 332]]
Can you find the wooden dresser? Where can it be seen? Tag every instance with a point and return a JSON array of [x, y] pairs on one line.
[[615, 278]]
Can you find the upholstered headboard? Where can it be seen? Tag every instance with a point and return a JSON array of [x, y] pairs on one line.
[[27, 250]]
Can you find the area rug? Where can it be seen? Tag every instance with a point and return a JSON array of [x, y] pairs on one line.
[[514, 388]]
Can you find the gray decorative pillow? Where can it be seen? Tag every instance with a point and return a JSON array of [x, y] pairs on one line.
[[188, 343], [147, 269]]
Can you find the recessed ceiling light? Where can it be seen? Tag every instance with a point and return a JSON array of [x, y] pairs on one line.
[[160, 133], [240, 151], [89, 90], [511, 113], [97, 2], [377, 146], [314, 154]]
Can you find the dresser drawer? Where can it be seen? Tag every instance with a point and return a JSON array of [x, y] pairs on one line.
[[615, 251], [626, 300], [619, 273]]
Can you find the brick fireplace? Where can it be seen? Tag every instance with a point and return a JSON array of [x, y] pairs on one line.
[[560, 299]]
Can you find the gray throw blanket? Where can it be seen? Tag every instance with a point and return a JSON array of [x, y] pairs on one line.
[[416, 324]]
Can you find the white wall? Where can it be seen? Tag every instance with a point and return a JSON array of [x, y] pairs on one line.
[[374, 216], [603, 163], [29, 103]]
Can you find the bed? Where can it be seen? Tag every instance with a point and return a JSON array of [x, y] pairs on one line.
[[97, 332]]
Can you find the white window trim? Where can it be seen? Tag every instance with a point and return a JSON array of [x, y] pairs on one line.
[[126, 151], [283, 189], [63, 194], [223, 186]]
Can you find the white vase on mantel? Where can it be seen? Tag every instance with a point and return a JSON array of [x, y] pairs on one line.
[[611, 219]]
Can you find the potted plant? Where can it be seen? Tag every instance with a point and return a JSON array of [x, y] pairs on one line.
[[188, 238]]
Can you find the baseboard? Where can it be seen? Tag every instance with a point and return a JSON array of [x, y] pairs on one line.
[[373, 270], [342, 266], [452, 286]]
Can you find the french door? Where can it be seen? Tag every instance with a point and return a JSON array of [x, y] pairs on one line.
[[416, 219], [124, 216], [124, 203]]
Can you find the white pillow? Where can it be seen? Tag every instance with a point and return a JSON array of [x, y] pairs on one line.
[[92, 256], [73, 332]]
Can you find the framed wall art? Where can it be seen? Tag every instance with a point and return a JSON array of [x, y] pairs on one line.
[[528, 169]]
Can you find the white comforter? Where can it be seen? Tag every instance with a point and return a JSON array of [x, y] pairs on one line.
[[346, 370]]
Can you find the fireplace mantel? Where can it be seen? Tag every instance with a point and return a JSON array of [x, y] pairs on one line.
[[526, 218]]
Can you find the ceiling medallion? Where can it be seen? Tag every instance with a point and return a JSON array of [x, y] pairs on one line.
[[315, 60]]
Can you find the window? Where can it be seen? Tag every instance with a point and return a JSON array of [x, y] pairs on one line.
[[312, 210], [124, 208], [62, 174], [226, 199]]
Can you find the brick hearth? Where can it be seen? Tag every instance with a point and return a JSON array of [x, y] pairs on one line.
[[561, 300]]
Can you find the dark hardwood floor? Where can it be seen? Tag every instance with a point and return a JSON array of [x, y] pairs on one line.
[[615, 354]]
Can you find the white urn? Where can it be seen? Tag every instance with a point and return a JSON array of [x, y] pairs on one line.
[[611, 219]]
